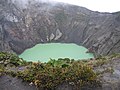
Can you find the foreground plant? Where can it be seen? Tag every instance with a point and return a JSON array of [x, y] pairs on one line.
[[55, 72]]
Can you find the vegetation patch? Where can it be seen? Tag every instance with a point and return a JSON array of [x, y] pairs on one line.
[[55, 72]]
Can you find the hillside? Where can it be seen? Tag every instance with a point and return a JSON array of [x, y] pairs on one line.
[[38, 22]]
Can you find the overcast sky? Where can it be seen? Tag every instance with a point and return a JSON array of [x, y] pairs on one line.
[[96, 5]]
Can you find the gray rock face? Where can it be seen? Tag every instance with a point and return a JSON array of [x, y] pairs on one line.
[[110, 80], [22, 28], [10, 83]]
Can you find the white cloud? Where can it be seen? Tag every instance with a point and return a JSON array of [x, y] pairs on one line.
[[96, 5]]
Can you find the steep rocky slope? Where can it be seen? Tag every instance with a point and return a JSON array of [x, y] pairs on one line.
[[23, 27]]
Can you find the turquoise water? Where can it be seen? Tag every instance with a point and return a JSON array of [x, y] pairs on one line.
[[45, 52]]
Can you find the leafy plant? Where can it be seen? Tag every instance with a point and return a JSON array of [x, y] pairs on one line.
[[8, 58], [49, 75]]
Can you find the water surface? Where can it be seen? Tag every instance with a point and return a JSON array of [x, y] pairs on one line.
[[43, 52]]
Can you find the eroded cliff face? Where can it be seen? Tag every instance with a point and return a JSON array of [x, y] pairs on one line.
[[22, 28]]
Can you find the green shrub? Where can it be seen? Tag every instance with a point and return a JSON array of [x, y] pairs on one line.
[[1, 69], [49, 75], [8, 58]]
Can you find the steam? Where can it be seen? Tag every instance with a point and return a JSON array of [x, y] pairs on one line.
[[112, 6], [24, 3]]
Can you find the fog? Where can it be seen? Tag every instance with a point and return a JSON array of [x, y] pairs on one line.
[[95, 5]]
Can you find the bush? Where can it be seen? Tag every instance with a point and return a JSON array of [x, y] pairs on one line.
[[8, 58], [51, 74], [55, 72]]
